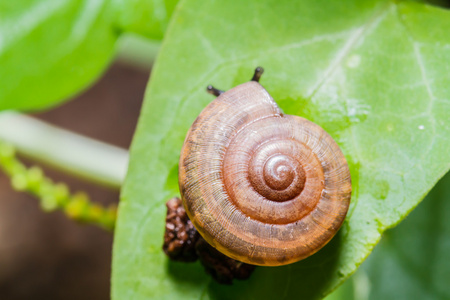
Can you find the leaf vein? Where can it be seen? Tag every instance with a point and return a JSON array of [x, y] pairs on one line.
[[341, 54]]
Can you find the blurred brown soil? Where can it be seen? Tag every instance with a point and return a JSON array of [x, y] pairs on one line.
[[46, 255]]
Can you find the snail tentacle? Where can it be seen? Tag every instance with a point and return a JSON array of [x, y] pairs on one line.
[[212, 90], [257, 75]]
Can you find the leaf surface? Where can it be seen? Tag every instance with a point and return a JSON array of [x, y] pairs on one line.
[[373, 74], [411, 261], [51, 49]]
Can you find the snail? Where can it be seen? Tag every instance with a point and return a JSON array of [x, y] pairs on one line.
[[260, 186]]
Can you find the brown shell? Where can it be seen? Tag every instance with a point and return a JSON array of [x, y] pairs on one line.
[[262, 187]]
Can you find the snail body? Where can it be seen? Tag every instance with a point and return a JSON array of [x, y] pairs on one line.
[[261, 186]]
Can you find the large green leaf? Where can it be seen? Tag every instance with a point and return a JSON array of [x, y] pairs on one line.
[[51, 49], [411, 261], [374, 74]]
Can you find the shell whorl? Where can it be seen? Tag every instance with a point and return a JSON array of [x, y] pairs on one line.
[[262, 187]]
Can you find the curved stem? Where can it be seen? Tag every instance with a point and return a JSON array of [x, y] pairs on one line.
[[84, 157], [52, 195]]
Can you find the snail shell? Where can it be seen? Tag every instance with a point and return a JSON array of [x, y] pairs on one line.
[[260, 186]]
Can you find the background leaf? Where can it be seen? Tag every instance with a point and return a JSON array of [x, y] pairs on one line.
[[371, 73], [51, 49], [411, 261]]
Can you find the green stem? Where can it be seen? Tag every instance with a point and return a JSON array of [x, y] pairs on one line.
[[65, 150], [137, 51], [52, 195]]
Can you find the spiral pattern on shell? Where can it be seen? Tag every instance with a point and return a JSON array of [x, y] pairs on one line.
[[262, 187]]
